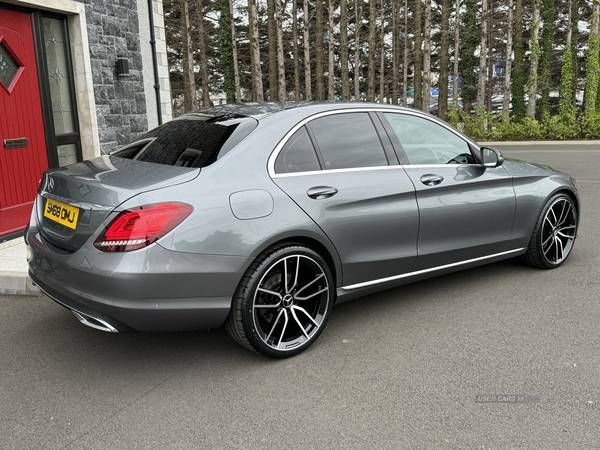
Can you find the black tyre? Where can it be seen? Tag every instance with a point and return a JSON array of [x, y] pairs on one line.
[[554, 233], [283, 302]]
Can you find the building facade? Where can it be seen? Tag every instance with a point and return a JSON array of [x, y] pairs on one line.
[[77, 80]]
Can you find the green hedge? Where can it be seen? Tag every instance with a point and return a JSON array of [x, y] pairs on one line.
[[485, 126]]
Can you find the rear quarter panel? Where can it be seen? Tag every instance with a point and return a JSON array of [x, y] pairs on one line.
[[213, 228]]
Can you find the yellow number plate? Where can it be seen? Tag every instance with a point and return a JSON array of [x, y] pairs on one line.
[[59, 212]]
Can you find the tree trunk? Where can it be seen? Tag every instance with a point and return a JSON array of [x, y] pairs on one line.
[[575, 44], [456, 46], [405, 58], [357, 66], [518, 74], [444, 60], [593, 62], [567, 75], [482, 56], [307, 74], [189, 80], [202, 56], [296, 52], [469, 39], [272, 45], [427, 58], [418, 57], [371, 58], [382, 56], [395, 51], [546, 57], [489, 63], [257, 84], [532, 83], [226, 43], [330, 71], [320, 31], [344, 50], [281, 90], [236, 70], [508, 65]]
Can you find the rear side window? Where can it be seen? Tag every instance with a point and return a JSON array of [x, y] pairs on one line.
[[348, 140], [191, 142], [297, 155]]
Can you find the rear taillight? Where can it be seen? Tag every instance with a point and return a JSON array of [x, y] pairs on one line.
[[137, 228]]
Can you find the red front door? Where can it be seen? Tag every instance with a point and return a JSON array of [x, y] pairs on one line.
[[23, 155]]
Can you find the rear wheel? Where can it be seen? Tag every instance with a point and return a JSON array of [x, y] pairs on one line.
[[554, 233], [283, 302]]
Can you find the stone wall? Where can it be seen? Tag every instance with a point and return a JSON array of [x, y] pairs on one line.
[[113, 31]]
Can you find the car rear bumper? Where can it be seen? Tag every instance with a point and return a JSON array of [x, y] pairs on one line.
[[149, 290]]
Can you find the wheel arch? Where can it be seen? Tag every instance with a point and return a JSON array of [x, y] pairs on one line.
[[541, 243], [572, 195], [328, 253]]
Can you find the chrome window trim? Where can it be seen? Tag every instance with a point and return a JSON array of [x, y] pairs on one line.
[[329, 171], [288, 135], [424, 166], [424, 271]]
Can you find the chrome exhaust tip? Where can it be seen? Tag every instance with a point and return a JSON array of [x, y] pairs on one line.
[[92, 322]]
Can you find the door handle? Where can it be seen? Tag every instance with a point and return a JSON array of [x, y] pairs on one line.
[[321, 192], [431, 180]]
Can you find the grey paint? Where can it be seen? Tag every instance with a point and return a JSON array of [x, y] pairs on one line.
[[150, 290], [96, 187], [534, 184], [251, 204], [468, 215], [372, 221]]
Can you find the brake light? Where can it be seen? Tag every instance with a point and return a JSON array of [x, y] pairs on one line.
[[137, 228]]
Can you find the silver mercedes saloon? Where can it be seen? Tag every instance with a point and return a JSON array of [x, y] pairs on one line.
[[262, 217]]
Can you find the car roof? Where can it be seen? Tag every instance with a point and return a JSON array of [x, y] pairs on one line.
[[237, 110], [261, 110]]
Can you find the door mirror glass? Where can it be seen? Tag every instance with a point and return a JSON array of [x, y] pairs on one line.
[[491, 157]]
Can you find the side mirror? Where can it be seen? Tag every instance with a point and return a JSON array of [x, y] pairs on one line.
[[491, 157]]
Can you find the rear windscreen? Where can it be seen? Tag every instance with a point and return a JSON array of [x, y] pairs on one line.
[[191, 142]]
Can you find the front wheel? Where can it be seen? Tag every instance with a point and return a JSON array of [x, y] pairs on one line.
[[554, 233], [283, 302]]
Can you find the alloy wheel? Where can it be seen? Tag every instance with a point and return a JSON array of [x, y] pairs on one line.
[[291, 302], [558, 230]]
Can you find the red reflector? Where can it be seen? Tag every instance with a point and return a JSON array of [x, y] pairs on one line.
[[137, 228]]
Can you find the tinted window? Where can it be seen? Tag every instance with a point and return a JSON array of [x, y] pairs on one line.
[[130, 151], [297, 155], [426, 142], [348, 140], [191, 142]]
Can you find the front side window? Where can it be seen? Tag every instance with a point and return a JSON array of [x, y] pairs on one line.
[[348, 140], [426, 142]]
